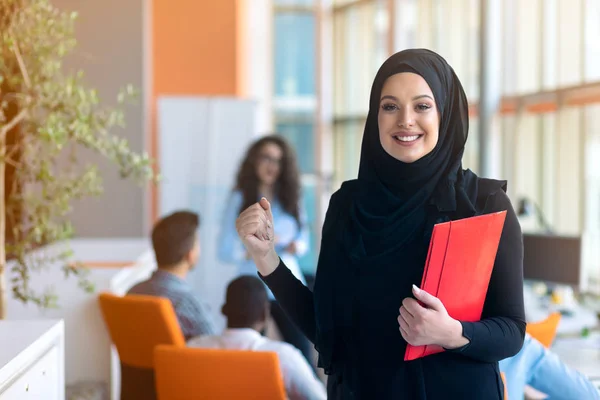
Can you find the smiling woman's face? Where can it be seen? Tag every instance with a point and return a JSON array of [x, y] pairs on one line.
[[408, 117]]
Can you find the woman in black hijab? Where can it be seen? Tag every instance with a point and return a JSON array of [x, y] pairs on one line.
[[364, 308]]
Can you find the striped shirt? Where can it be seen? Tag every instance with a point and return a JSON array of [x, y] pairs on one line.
[[193, 315]]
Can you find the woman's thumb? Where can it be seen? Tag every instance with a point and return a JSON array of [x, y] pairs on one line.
[[264, 203]]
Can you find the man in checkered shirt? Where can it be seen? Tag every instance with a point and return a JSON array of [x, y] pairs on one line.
[[177, 248]]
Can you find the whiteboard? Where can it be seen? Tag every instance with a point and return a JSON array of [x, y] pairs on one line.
[[202, 141]]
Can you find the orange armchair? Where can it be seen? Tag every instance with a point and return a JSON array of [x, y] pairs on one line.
[[202, 374], [544, 331], [137, 324]]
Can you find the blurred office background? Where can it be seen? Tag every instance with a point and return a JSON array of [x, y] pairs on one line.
[[215, 75]]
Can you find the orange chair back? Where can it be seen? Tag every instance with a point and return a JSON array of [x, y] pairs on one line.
[[139, 323], [202, 374], [545, 331]]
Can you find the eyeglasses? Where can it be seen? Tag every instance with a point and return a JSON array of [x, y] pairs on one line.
[[265, 159]]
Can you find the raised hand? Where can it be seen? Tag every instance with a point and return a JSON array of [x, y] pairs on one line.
[[255, 229]]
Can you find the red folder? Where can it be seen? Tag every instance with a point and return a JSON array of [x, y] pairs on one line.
[[458, 268]]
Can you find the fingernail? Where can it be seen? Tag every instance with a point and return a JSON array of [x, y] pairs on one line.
[[416, 289]]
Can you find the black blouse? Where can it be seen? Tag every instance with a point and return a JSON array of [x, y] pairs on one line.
[[369, 360]]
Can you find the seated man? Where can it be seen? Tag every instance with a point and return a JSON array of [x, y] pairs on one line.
[[247, 310], [541, 369], [177, 248]]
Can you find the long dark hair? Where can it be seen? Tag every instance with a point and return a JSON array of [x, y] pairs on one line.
[[287, 187]]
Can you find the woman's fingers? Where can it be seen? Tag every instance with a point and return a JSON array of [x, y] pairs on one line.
[[406, 315], [254, 221]]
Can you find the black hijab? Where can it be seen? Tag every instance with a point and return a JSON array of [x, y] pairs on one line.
[[391, 206]]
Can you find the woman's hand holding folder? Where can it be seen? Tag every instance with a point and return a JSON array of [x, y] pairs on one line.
[[424, 321]]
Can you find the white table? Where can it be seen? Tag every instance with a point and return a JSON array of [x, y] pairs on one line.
[[582, 354], [32, 360]]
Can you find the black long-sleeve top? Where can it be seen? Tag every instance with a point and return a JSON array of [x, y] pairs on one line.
[[372, 361]]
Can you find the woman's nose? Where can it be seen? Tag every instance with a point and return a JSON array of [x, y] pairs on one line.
[[405, 118]]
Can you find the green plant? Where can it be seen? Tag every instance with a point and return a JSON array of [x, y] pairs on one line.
[[49, 121]]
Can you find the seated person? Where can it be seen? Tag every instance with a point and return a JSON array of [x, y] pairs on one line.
[[543, 370], [247, 310], [177, 248]]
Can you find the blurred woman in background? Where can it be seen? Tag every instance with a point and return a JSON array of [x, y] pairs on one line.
[[270, 170]]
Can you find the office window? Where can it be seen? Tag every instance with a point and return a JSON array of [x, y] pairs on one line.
[[592, 44], [295, 57], [294, 99], [570, 39], [360, 43], [526, 157], [592, 169], [457, 42], [360, 47], [300, 134], [544, 46], [293, 2], [424, 24], [471, 155], [347, 141], [549, 45]]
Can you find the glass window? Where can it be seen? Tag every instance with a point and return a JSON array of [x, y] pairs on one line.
[[471, 155], [294, 56], [549, 45], [592, 44], [406, 24], [299, 132], [347, 142], [570, 37], [592, 169], [295, 100], [342, 2], [361, 46], [423, 23], [293, 2], [569, 170], [522, 33], [509, 47], [526, 158], [308, 262], [549, 154]]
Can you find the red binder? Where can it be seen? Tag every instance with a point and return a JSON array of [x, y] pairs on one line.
[[458, 268]]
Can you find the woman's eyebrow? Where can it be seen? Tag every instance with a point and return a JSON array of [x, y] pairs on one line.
[[394, 98]]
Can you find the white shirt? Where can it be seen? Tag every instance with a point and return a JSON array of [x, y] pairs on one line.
[[298, 378]]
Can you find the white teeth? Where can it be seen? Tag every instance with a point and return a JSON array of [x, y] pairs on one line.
[[407, 138]]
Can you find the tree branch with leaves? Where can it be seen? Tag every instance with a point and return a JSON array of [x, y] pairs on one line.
[[52, 121]]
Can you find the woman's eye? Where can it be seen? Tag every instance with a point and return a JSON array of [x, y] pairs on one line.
[[423, 107], [389, 107]]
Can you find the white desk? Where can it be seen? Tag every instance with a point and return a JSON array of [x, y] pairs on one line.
[[32, 360], [582, 354]]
